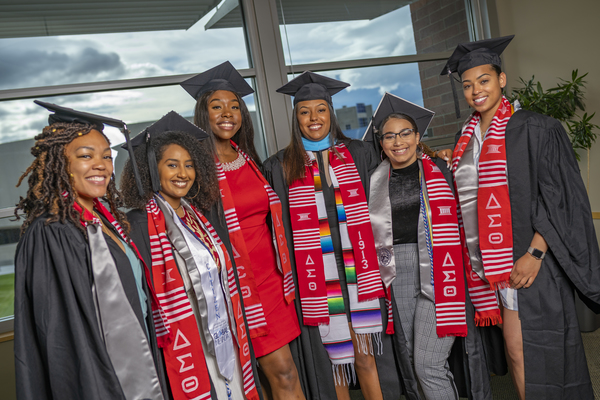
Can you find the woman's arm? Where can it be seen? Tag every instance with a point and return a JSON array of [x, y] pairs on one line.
[[527, 267]]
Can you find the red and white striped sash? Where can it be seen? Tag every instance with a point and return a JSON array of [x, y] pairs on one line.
[[446, 257], [493, 213]]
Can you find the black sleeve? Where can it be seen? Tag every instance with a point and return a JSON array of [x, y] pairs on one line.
[[138, 220], [59, 351], [443, 166], [562, 212]]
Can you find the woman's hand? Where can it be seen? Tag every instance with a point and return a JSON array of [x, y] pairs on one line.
[[524, 271], [527, 267], [446, 155]]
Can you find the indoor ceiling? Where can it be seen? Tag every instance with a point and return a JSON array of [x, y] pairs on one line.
[[27, 18], [30, 18], [308, 11]]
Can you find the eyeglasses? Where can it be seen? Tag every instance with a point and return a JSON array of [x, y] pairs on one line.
[[405, 136]]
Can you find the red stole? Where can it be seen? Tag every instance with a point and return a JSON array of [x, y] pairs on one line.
[[184, 357], [447, 262], [493, 213], [307, 244]]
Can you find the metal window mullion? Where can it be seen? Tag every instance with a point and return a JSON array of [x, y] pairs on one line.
[[94, 87], [262, 25], [368, 62]]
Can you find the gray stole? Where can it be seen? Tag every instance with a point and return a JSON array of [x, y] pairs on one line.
[[380, 211], [214, 320], [466, 177], [125, 340]]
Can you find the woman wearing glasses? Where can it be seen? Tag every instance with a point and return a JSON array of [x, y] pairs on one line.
[[418, 246]]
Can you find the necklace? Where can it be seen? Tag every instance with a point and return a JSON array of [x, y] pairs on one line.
[[235, 164], [108, 232]]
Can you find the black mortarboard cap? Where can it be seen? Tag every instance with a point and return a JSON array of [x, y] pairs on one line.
[[311, 86], [391, 104], [68, 115], [64, 114], [222, 77], [473, 54], [171, 122]]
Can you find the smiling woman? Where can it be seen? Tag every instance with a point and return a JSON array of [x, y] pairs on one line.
[[193, 275], [82, 300], [90, 166]]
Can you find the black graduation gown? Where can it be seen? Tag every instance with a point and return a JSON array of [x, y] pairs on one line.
[[547, 195], [59, 349], [138, 220], [314, 367]]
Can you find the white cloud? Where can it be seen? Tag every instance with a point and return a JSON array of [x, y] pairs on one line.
[[388, 35], [29, 62]]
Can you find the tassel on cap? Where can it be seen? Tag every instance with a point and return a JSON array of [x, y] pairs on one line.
[[152, 164], [454, 94], [136, 172]]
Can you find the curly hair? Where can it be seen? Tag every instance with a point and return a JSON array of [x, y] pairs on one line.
[[244, 137], [50, 178], [203, 193]]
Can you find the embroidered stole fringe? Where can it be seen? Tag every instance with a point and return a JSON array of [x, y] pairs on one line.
[[320, 292], [162, 253], [181, 320], [442, 240], [493, 214]]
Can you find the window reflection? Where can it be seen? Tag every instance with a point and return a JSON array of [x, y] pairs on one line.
[[139, 108], [9, 236], [345, 30], [45, 47], [419, 83]]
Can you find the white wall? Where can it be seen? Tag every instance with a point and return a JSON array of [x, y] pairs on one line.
[[554, 37]]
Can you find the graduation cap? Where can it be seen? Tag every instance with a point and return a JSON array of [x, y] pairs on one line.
[[474, 54], [311, 86], [392, 104], [222, 77], [171, 122], [68, 115]]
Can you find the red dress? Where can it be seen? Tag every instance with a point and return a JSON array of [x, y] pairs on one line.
[[252, 208]]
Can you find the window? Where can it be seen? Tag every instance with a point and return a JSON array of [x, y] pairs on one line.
[[126, 62], [370, 42], [109, 41], [106, 58]]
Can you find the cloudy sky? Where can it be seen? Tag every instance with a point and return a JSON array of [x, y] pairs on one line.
[[44, 61]]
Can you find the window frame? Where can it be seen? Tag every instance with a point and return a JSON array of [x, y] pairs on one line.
[[268, 69]]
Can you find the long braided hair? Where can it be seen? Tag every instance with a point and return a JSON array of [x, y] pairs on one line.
[[49, 178]]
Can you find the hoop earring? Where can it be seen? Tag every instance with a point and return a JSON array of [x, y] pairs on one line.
[[381, 155], [197, 193]]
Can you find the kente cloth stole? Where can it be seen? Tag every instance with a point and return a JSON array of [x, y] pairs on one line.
[[184, 357], [493, 214], [242, 338], [320, 292], [279, 240], [125, 340], [445, 252]]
